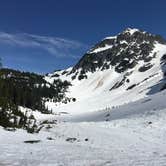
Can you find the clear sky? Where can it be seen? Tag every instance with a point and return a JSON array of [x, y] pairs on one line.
[[44, 35]]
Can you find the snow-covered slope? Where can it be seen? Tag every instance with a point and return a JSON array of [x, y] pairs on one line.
[[118, 70], [133, 134]]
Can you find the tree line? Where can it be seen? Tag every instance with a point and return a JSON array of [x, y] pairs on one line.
[[28, 90]]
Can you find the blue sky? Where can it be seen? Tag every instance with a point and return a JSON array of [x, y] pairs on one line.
[[44, 35]]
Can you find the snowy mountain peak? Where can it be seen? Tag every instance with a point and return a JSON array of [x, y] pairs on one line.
[[131, 30], [121, 52]]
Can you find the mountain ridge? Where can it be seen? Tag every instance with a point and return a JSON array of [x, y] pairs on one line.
[[113, 50], [134, 65]]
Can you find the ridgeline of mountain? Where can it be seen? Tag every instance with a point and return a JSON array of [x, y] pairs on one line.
[[122, 52]]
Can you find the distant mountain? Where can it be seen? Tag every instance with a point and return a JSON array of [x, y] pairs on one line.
[[130, 64], [122, 51]]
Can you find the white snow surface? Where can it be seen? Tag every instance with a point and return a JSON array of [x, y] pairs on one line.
[[106, 47], [131, 30], [133, 134]]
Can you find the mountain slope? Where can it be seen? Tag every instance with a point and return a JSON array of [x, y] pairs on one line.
[[130, 64], [135, 135]]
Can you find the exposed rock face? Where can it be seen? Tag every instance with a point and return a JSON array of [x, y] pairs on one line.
[[121, 52]]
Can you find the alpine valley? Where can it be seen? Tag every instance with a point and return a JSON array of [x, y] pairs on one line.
[[107, 110]]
